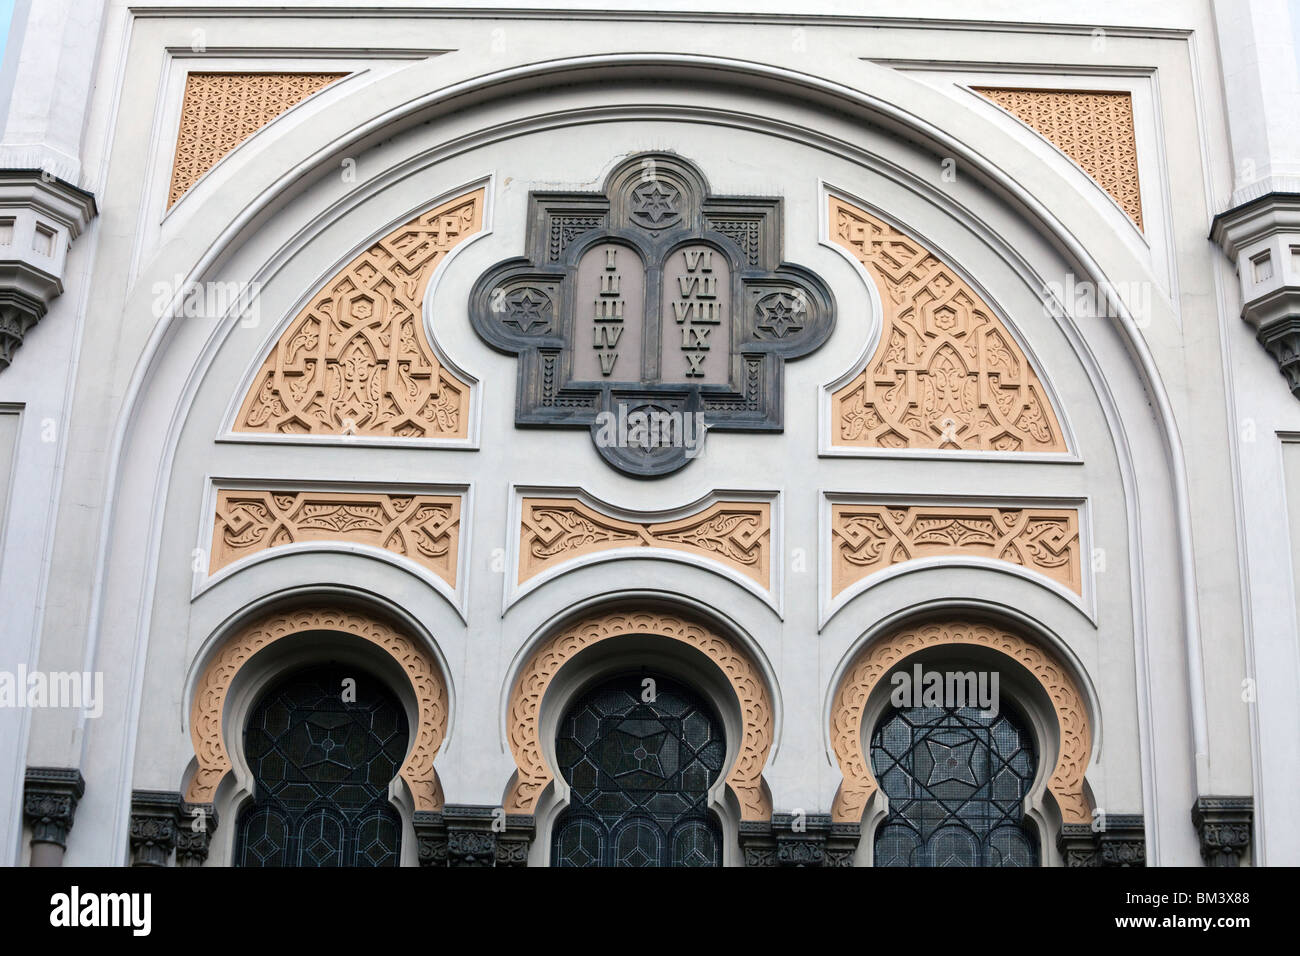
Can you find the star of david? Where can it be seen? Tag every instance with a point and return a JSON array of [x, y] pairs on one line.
[[951, 763], [526, 311], [779, 316], [655, 201]]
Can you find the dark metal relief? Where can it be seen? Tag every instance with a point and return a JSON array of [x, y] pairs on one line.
[[651, 312]]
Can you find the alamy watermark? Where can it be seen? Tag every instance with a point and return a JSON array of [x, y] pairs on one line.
[[922, 688], [82, 690], [649, 430]]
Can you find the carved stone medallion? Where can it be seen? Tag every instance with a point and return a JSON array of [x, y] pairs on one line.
[[650, 312]]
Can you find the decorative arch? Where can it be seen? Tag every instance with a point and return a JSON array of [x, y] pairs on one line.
[[746, 776], [356, 360], [875, 661], [419, 665], [947, 373]]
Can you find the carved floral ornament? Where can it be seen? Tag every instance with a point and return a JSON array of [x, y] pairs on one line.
[[421, 669], [534, 775], [356, 361], [947, 373], [867, 538], [849, 736], [419, 527], [554, 531]]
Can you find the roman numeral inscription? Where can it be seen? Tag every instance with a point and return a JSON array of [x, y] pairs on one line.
[[608, 314], [695, 327]]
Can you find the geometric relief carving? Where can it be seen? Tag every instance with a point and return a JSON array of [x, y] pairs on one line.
[[557, 530], [534, 774], [866, 538], [221, 110], [356, 360], [877, 659], [209, 737], [423, 528], [947, 373], [1095, 129]]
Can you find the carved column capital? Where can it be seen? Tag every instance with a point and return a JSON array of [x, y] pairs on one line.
[[1122, 840], [154, 825], [1078, 845], [1225, 826], [798, 840], [50, 797], [431, 838], [196, 822]]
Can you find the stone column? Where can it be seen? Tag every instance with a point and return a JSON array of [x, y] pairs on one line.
[[154, 818], [50, 796]]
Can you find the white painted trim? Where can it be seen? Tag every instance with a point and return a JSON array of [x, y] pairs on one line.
[[772, 596]]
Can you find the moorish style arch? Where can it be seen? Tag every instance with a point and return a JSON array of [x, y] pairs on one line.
[[872, 663], [235, 652], [745, 777]]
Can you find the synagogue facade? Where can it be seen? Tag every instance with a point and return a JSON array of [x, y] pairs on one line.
[[836, 435]]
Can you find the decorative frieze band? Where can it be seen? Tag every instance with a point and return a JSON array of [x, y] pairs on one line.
[[867, 538], [356, 361], [1094, 128], [555, 531], [947, 373], [424, 528], [221, 110]]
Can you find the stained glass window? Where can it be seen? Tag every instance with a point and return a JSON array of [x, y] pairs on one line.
[[321, 769], [639, 772], [956, 782]]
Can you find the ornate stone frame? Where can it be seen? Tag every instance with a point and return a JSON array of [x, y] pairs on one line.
[[873, 662], [534, 775], [420, 667]]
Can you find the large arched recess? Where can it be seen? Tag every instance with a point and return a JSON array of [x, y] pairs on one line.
[[884, 145]]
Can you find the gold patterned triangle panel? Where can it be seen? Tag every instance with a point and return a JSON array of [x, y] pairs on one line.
[[947, 373], [422, 528], [737, 534], [356, 361], [221, 110], [869, 538], [1093, 128]]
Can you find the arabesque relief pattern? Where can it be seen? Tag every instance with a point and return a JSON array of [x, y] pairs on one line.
[[947, 373], [422, 528], [867, 538], [356, 361], [1093, 128], [221, 110], [745, 778], [874, 662], [420, 667], [556, 530]]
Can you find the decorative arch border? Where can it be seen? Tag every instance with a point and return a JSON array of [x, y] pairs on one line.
[[237, 650], [525, 708], [874, 661]]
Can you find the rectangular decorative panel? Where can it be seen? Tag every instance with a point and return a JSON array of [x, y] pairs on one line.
[[868, 538], [556, 530], [422, 528]]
